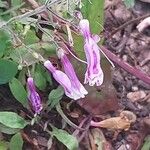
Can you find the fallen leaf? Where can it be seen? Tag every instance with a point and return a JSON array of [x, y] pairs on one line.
[[99, 101], [98, 141], [122, 122]]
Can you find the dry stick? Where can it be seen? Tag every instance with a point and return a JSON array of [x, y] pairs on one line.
[[129, 22], [36, 11], [134, 71]]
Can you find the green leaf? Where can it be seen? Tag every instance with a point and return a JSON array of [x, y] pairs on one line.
[[129, 3], [4, 40], [64, 137], [7, 130], [146, 145], [55, 96], [31, 38], [3, 145], [39, 77], [22, 54], [18, 91], [16, 2], [16, 142], [8, 70], [12, 120], [94, 12], [48, 78]]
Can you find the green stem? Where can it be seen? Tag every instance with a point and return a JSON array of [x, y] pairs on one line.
[[12, 9], [60, 111]]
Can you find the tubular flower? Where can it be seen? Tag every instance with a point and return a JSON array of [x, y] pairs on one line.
[[33, 96], [63, 80], [94, 73], [78, 88]]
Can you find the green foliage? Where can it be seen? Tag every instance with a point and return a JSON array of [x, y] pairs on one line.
[[22, 54], [146, 145], [7, 130], [4, 41], [64, 137], [16, 142], [55, 96], [24, 43], [30, 38], [18, 91], [8, 70], [3, 145], [129, 3], [94, 12], [12, 120], [39, 77], [16, 2]]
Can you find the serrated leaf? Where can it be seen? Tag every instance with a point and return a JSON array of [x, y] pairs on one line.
[[94, 12], [8, 130], [8, 70], [12, 120], [3, 145], [55, 96], [129, 3], [18, 91], [64, 137], [16, 142]]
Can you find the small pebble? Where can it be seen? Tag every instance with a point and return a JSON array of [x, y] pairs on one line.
[[135, 96], [135, 88]]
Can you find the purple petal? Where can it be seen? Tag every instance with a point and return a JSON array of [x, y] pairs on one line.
[[33, 96], [63, 80], [85, 28], [69, 70]]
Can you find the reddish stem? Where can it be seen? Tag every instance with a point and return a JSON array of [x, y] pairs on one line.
[[134, 71]]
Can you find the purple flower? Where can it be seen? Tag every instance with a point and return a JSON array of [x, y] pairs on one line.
[[33, 96], [94, 73], [77, 87], [63, 80]]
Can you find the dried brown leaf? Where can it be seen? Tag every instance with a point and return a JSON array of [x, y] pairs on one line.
[[122, 122]]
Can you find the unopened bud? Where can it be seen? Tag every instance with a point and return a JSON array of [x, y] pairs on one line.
[[35, 55], [19, 67]]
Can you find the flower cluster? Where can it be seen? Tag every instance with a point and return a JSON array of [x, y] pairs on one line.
[[68, 79]]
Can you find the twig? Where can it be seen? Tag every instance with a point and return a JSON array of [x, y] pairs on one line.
[[35, 5], [28, 14], [36, 11], [12, 9], [134, 71], [127, 23]]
